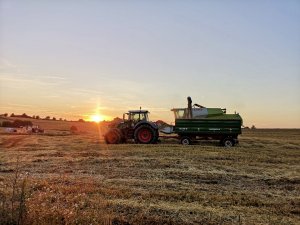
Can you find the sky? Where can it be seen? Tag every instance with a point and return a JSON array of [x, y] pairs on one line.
[[73, 59]]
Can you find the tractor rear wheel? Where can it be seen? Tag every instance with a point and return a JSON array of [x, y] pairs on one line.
[[113, 136], [145, 134]]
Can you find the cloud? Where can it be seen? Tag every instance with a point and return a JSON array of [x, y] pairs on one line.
[[51, 96], [158, 109], [17, 107], [80, 91], [54, 77], [6, 64], [10, 79]]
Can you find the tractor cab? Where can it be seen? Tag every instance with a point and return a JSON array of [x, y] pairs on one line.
[[136, 116]]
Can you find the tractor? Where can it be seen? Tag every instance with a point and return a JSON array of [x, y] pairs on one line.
[[135, 125]]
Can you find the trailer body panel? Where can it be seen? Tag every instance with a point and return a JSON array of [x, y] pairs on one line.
[[226, 124]]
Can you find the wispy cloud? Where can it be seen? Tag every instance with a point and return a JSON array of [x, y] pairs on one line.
[[16, 107], [55, 77], [6, 64], [51, 96], [80, 91], [158, 109], [9, 79], [19, 105]]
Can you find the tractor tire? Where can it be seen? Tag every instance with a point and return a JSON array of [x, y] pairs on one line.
[[113, 136], [145, 134], [123, 138]]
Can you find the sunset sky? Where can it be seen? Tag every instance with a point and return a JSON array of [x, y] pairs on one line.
[[73, 59]]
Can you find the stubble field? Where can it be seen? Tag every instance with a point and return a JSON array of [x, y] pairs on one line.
[[77, 179]]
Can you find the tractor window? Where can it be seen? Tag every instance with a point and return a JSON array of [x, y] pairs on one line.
[[136, 117], [139, 116], [126, 116], [144, 116]]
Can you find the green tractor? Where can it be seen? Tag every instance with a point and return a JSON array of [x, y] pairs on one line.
[[136, 126]]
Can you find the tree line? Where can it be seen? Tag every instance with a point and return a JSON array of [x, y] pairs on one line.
[[37, 117]]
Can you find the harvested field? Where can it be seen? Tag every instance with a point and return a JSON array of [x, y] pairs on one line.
[[77, 179]]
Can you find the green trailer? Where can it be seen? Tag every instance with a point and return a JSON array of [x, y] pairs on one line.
[[197, 122]]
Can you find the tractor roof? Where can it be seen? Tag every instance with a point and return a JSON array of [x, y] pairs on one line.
[[138, 111]]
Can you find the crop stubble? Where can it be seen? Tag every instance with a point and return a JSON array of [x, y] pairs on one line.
[[79, 179]]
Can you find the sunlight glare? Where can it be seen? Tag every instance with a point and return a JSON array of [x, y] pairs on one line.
[[96, 118]]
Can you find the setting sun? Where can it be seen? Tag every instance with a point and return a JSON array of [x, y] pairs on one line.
[[96, 118]]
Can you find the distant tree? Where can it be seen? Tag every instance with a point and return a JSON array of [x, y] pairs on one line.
[[24, 115], [81, 120], [47, 118], [65, 120], [12, 115], [60, 119], [253, 127], [5, 114], [53, 118], [37, 117]]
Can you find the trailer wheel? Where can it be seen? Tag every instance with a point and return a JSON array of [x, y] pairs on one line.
[[113, 136], [185, 141], [228, 142]]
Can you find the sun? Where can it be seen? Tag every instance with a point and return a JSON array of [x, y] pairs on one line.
[[96, 118]]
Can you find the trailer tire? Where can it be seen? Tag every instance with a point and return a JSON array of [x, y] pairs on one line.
[[228, 142], [185, 141]]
